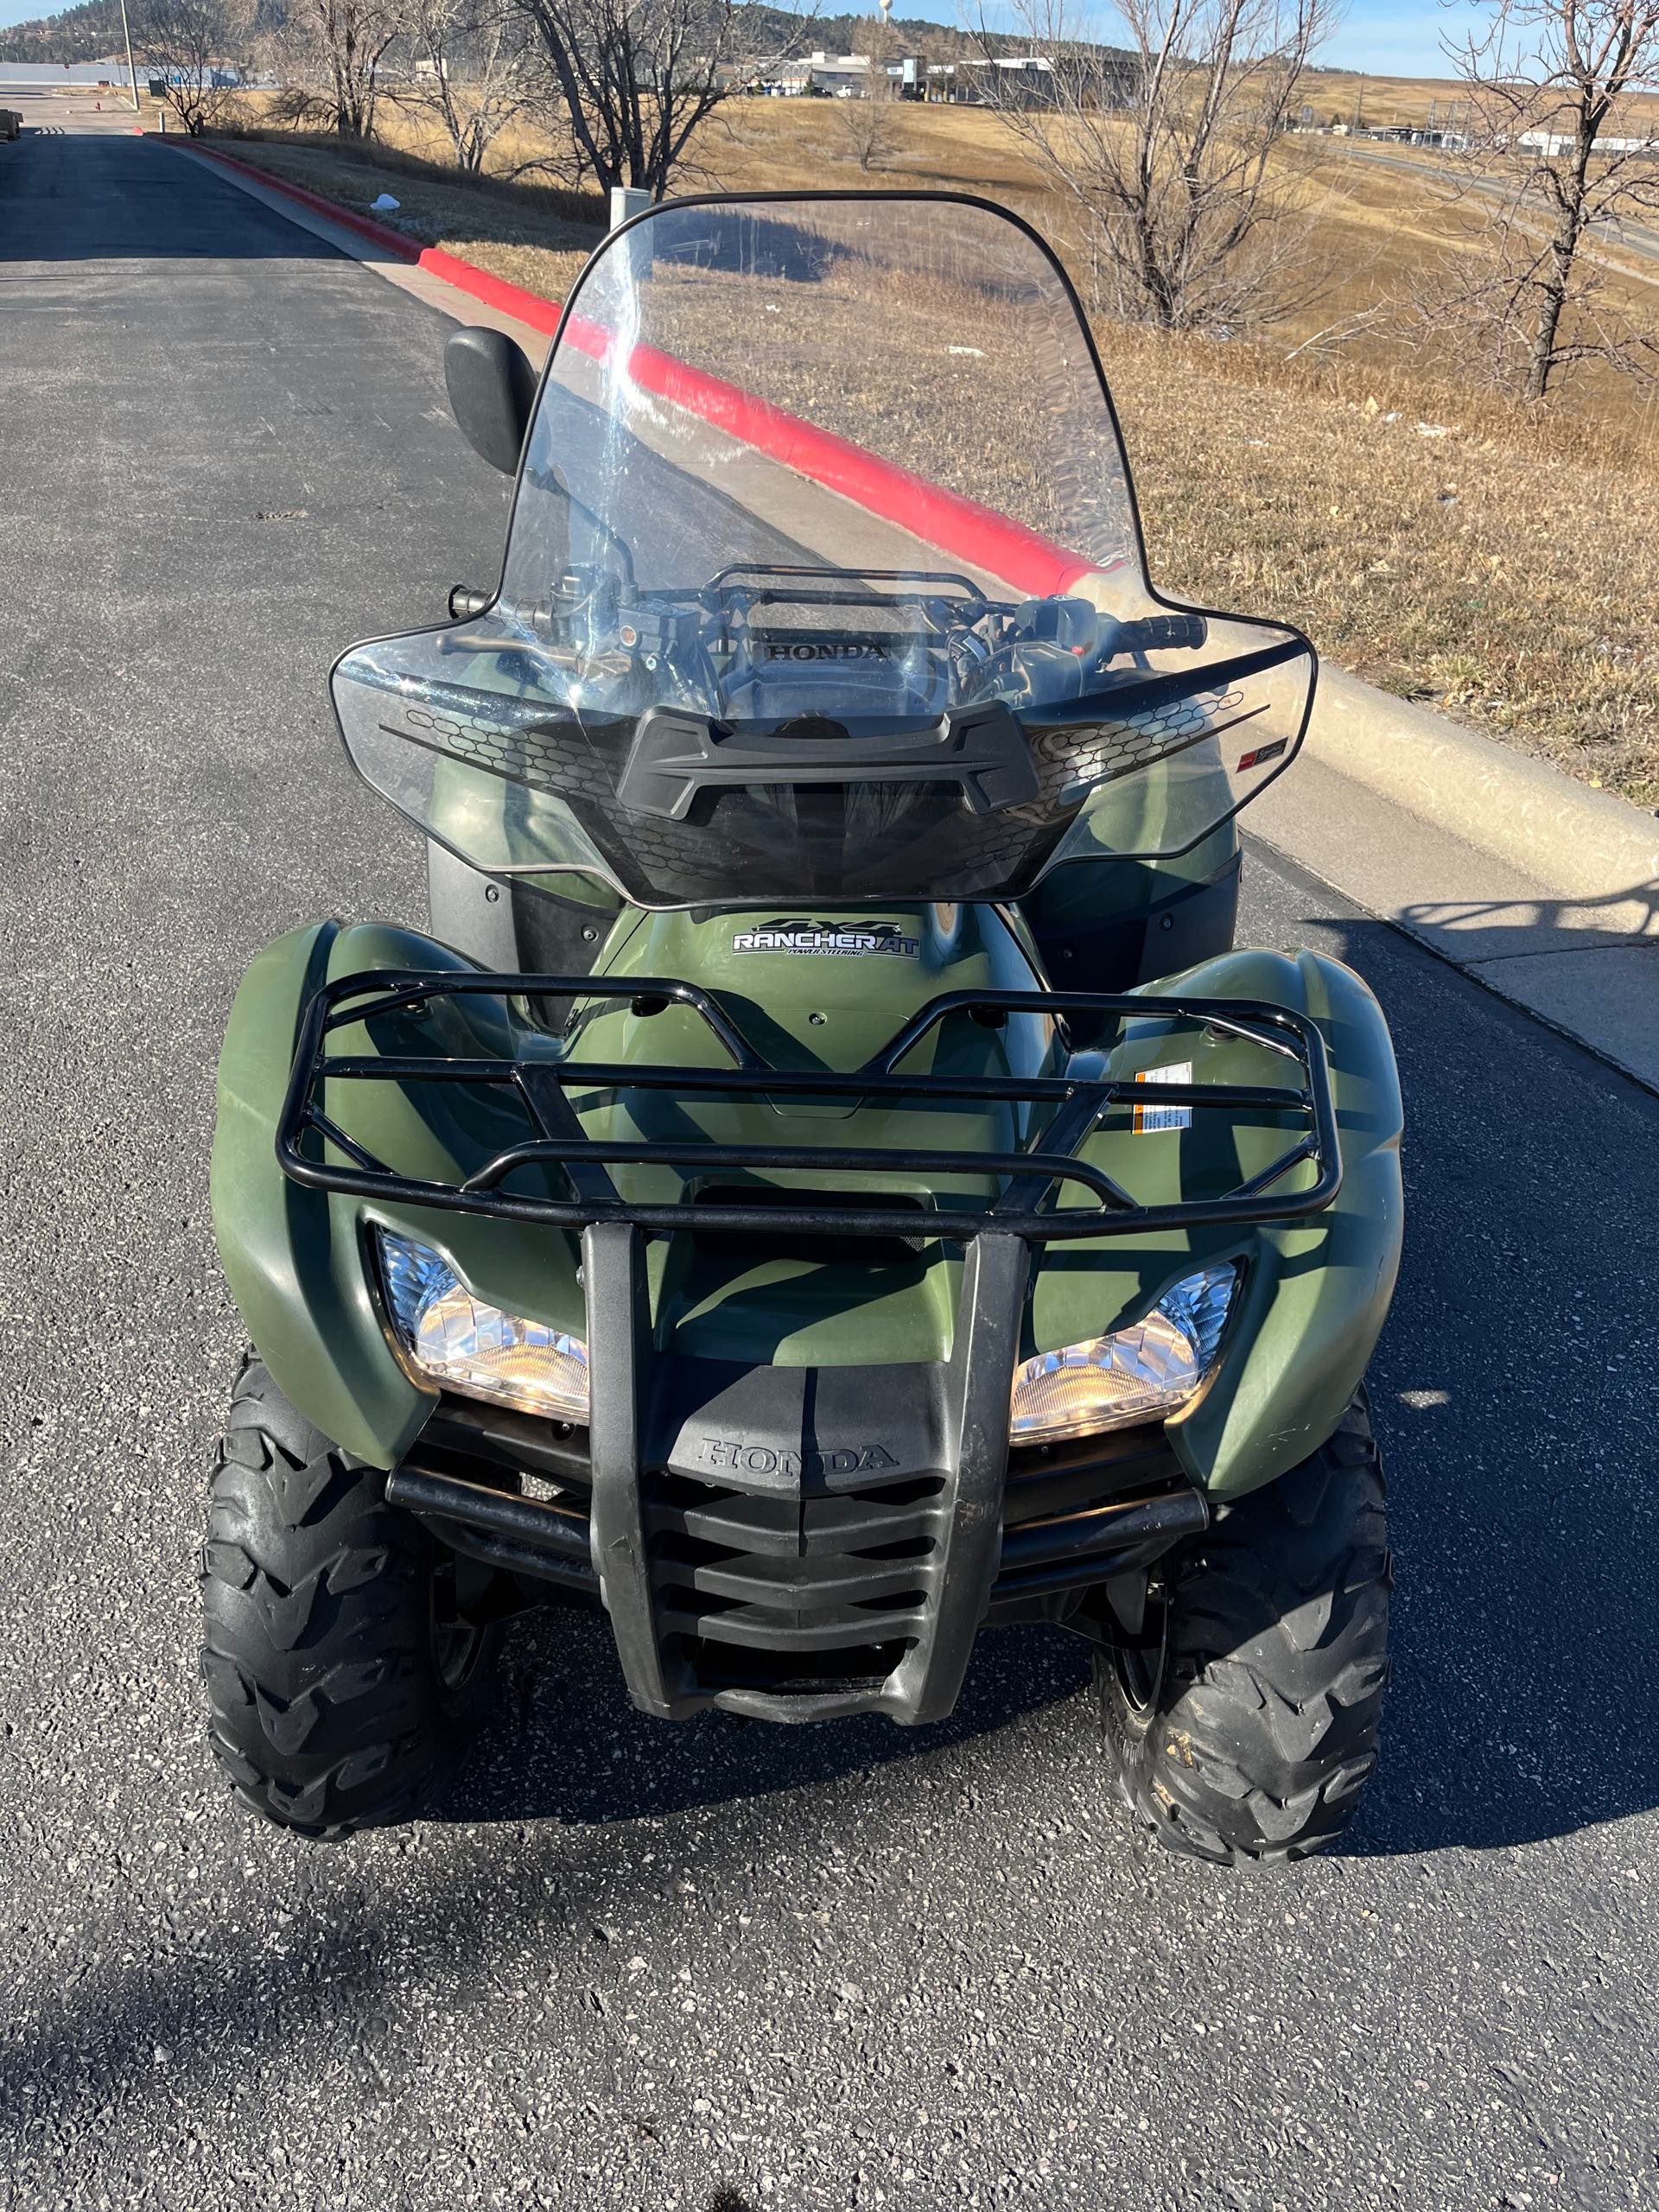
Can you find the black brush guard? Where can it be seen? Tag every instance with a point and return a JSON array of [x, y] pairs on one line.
[[778, 1583]]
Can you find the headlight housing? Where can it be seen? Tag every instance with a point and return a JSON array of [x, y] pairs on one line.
[[447, 1336], [1150, 1368]]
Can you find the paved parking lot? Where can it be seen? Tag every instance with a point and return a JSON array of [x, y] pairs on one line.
[[712, 1967]]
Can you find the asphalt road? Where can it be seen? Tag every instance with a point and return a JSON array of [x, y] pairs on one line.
[[711, 1967], [1454, 177]]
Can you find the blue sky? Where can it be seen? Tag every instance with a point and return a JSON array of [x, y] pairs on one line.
[[1397, 38], [1386, 38], [1394, 38]]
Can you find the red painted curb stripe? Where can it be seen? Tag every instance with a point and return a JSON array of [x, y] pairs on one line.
[[974, 534], [495, 291], [977, 535]]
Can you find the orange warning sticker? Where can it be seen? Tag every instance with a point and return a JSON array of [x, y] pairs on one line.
[[1149, 1120]]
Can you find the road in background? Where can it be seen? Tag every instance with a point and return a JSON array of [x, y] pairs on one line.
[[85, 110], [682, 1969], [1455, 177]]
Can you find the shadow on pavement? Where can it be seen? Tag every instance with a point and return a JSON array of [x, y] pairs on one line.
[[1513, 1393], [567, 1745], [1489, 929], [83, 196], [579, 1758]]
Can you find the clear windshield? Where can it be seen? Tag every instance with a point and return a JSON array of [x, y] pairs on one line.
[[823, 581]]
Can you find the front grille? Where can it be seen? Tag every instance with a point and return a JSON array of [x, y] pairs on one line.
[[782, 1591], [803, 1592]]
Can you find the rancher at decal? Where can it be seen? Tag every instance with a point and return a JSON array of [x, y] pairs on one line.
[[845, 940]]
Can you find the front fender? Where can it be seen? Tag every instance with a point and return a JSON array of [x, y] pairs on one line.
[[294, 1257], [1315, 1293]]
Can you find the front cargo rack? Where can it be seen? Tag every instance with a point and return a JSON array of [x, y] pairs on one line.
[[1026, 1208]]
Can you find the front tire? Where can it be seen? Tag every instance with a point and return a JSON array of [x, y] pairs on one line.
[[1244, 1727], [343, 1691]]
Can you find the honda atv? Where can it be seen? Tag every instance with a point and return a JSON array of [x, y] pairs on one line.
[[826, 1185]]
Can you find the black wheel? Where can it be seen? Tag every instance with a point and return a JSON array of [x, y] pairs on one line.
[[1242, 1727], [342, 1686]]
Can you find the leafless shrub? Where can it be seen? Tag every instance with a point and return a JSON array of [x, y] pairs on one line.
[[199, 47], [330, 54], [869, 126], [638, 79], [1163, 152], [475, 75]]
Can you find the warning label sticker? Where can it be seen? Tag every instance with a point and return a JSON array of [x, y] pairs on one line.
[[1149, 1120]]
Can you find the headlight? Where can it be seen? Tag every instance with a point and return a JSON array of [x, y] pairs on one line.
[[451, 1338], [1150, 1368]]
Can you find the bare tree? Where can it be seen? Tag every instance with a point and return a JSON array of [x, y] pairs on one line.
[[198, 48], [331, 53], [1164, 151], [869, 125], [476, 75], [1547, 79], [638, 79]]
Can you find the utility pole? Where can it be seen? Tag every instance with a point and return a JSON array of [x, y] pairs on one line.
[[1359, 97], [133, 74]]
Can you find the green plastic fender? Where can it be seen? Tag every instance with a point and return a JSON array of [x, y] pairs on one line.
[[292, 1256], [1315, 1294], [295, 1258]]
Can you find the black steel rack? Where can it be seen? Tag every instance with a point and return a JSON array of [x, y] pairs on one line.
[[1034, 1175], [712, 1600]]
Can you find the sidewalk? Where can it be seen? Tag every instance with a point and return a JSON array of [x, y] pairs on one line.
[[1545, 891]]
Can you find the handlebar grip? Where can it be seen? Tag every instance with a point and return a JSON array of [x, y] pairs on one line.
[[1162, 633], [464, 602]]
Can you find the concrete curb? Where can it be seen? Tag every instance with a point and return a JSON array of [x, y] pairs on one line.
[[392, 242], [1581, 843]]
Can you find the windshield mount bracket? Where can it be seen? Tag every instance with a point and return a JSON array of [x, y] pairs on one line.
[[676, 754]]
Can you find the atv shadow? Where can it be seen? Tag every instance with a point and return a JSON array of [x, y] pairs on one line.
[[563, 1742]]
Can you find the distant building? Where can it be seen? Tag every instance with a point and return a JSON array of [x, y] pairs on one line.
[[818, 73], [1027, 78], [42, 76], [1552, 143]]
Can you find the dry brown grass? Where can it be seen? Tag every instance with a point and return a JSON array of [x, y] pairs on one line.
[[1509, 569], [1506, 569]]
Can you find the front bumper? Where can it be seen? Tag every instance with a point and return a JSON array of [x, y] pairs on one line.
[[796, 1544]]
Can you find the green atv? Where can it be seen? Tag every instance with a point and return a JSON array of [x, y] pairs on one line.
[[827, 1184]]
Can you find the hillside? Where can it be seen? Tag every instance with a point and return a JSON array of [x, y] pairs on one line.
[[94, 29], [86, 33]]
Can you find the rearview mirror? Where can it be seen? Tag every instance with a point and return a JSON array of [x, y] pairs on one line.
[[491, 392]]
